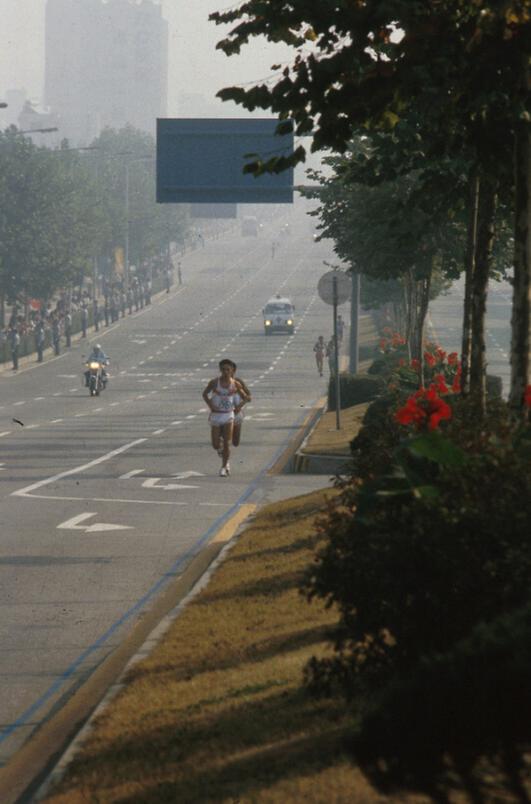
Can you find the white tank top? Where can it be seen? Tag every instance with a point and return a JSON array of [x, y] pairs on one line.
[[224, 399]]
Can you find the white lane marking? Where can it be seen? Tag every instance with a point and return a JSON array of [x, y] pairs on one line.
[[153, 483], [38, 398], [159, 432], [18, 404], [186, 475], [32, 426], [5, 433], [141, 396], [192, 416], [113, 404], [73, 389], [57, 394], [132, 473], [54, 421], [2, 467], [26, 491], [177, 422], [67, 376], [74, 524]]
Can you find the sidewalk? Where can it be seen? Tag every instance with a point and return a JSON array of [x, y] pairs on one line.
[[326, 450]]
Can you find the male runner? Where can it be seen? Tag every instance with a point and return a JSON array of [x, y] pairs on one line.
[[221, 395], [319, 349], [238, 417]]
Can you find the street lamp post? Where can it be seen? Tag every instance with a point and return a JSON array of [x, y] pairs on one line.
[[146, 158]]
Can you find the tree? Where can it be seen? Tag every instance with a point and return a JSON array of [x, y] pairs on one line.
[[456, 60]]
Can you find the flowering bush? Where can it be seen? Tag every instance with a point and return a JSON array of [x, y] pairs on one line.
[[425, 409]]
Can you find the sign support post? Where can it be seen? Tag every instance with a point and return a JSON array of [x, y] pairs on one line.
[[334, 288]]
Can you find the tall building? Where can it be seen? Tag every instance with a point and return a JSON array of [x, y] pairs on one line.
[[105, 65]]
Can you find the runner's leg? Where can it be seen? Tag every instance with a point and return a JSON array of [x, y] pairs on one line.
[[215, 432], [226, 430]]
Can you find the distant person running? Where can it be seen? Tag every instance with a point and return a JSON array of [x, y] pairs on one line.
[[238, 417], [221, 396], [320, 351]]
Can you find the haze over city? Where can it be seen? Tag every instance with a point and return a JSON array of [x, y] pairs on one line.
[[195, 68]]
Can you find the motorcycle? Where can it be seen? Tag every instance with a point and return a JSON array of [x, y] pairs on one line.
[[96, 376]]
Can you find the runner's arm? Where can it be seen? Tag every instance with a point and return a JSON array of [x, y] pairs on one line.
[[246, 393], [208, 390]]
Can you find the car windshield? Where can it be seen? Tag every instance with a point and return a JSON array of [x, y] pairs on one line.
[[271, 309]]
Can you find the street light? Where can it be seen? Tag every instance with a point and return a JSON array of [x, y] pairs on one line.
[[146, 158]]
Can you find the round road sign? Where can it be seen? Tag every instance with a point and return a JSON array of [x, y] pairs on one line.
[[342, 283]]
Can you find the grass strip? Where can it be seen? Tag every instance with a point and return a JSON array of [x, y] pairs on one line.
[[218, 711]]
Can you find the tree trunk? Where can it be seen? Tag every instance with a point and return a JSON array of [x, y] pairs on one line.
[[480, 281], [423, 300], [520, 321], [408, 306], [470, 263]]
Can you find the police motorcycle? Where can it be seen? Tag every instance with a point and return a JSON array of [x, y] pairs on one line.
[[96, 375]]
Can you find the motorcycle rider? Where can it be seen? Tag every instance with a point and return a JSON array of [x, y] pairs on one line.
[[99, 356]]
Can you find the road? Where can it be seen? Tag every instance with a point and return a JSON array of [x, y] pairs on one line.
[[446, 321], [104, 500]]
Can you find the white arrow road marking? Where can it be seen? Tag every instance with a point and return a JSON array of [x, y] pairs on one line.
[[131, 474], [186, 475], [74, 524], [152, 483]]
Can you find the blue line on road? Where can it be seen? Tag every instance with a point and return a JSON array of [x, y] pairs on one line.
[[56, 686]]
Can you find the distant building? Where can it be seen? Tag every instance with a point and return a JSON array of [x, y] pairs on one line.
[[105, 65], [33, 119]]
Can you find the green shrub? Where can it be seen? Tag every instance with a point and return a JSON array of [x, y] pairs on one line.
[[412, 574], [474, 700], [353, 389]]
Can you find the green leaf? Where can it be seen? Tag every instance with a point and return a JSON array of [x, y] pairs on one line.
[[436, 447]]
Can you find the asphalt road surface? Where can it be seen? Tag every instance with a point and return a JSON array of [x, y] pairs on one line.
[[105, 499]]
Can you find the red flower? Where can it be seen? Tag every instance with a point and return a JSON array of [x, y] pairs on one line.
[[456, 385], [453, 359], [424, 409], [527, 396], [415, 364], [429, 359], [439, 384], [383, 344]]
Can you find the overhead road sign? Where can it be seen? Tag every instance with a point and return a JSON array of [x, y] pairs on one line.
[[201, 160], [214, 210]]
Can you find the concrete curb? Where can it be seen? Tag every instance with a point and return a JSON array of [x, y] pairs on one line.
[[43, 760]]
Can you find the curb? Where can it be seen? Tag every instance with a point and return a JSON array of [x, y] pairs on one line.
[[42, 761], [44, 758], [285, 464]]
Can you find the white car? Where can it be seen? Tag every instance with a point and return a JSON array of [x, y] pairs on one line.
[[279, 315]]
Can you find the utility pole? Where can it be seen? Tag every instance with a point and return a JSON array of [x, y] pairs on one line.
[[355, 324]]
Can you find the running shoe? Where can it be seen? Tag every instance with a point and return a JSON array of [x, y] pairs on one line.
[[227, 468], [223, 472]]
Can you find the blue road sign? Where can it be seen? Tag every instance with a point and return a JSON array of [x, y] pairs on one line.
[[201, 160]]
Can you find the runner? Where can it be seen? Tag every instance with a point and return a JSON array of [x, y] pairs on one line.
[[221, 395], [238, 417], [319, 349]]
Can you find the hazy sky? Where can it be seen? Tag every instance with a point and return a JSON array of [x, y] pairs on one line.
[[194, 65]]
